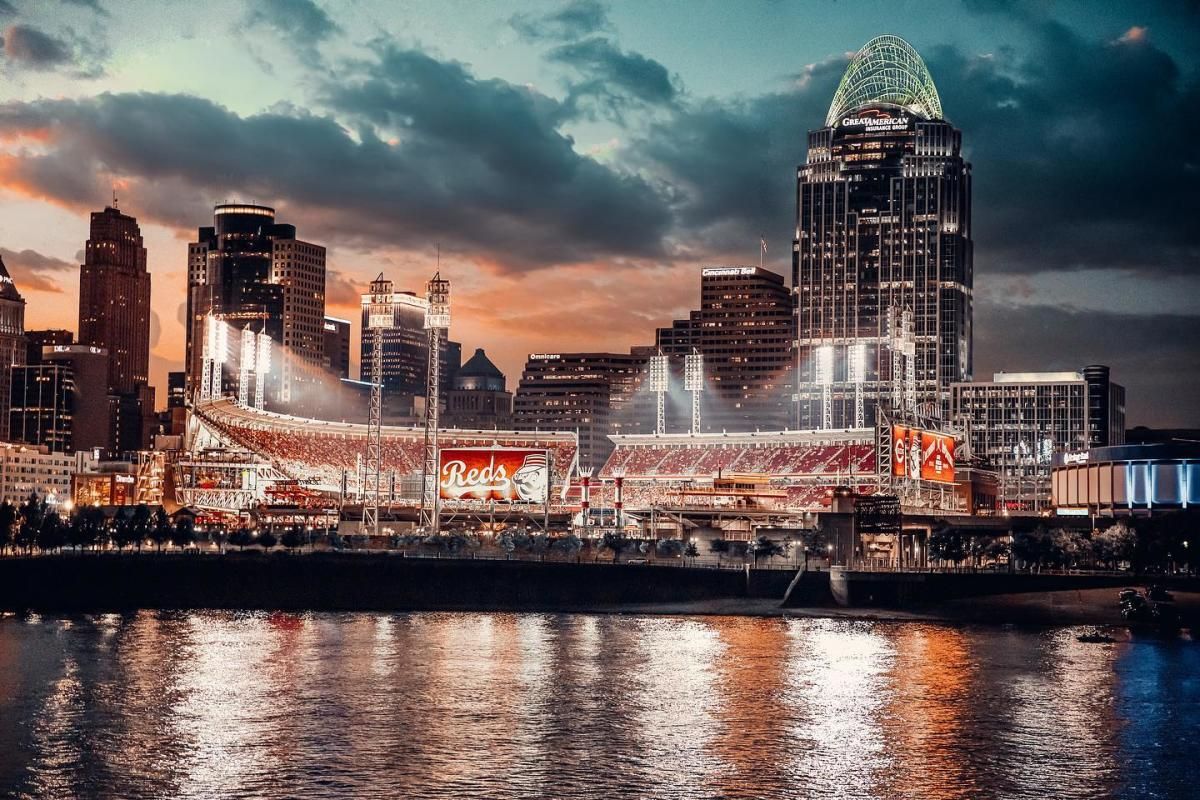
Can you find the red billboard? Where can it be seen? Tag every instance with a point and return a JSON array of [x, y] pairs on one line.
[[937, 457], [922, 454], [503, 474]]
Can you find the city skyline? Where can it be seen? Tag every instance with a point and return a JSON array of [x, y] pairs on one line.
[[588, 160]]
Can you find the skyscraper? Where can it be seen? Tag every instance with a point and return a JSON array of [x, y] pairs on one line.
[[114, 313], [405, 345], [247, 270], [12, 342], [883, 230], [336, 338], [744, 330]]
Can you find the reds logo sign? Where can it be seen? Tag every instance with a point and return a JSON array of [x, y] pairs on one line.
[[506, 475]]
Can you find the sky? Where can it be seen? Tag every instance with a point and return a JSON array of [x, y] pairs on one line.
[[577, 163]]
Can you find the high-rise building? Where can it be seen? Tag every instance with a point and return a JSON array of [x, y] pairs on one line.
[[337, 346], [250, 271], [114, 314], [1018, 421], [744, 330], [883, 230], [93, 423], [592, 394], [12, 342], [43, 405], [36, 340], [479, 398], [405, 345], [176, 389]]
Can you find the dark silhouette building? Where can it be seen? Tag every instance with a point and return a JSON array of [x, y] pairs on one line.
[[405, 345], [883, 227], [336, 339], [36, 340], [479, 398], [43, 406], [12, 342], [94, 421]]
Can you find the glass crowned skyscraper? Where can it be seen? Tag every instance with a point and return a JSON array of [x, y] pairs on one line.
[[883, 235]]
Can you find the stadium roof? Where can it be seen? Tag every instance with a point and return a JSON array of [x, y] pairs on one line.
[[886, 70]]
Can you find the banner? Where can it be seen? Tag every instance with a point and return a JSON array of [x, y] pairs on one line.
[[506, 475], [906, 452], [937, 457]]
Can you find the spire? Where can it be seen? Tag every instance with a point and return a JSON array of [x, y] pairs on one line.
[[886, 71], [8, 289]]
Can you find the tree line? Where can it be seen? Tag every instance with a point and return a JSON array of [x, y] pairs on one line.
[[34, 524]]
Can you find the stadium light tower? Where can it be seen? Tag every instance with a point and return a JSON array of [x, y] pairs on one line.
[[216, 350], [693, 381], [380, 317], [856, 366], [437, 322], [903, 345], [244, 365], [262, 367], [824, 370], [660, 385]]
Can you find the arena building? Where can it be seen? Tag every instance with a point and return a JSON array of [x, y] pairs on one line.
[[1127, 480]]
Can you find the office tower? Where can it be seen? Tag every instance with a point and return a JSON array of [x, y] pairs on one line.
[[883, 231], [43, 403], [336, 343], [592, 394], [94, 424], [744, 330], [479, 397], [36, 340], [1018, 421], [405, 345], [12, 342], [176, 389], [249, 271]]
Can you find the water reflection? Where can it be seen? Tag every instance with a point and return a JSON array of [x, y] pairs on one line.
[[498, 705]]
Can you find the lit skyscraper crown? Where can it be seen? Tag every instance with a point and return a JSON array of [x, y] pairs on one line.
[[886, 70]]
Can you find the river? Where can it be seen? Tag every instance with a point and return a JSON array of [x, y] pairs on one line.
[[489, 705]]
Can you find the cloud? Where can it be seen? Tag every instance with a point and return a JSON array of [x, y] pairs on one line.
[[435, 154], [7, 9], [1154, 355], [91, 5], [300, 22], [573, 21], [341, 289], [26, 47], [33, 272], [613, 79], [31, 48]]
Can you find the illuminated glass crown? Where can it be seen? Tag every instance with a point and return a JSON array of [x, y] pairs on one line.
[[886, 70]]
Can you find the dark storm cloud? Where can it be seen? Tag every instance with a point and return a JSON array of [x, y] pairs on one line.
[[7, 9], [32, 271], [91, 5], [613, 79], [437, 156], [574, 21], [1154, 355], [302, 22], [29, 47]]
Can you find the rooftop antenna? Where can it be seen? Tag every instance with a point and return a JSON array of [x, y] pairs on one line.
[[115, 206]]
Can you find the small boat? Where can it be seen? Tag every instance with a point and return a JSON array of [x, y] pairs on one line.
[[1095, 637]]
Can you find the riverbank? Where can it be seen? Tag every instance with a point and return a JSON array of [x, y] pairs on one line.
[[381, 582]]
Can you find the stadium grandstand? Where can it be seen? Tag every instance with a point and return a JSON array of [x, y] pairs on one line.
[[775, 470], [320, 454]]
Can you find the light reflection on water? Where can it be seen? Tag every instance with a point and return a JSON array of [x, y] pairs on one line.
[[537, 705]]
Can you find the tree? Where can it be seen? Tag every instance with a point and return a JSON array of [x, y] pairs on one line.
[[184, 533], [1032, 547], [123, 531], [292, 538], [946, 544], [33, 511], [8, 518], [617, 543], [241, 538], [161, 528], [668, 548], [569, 546], [266, 540], [139, 524], [1114, 545], [765, 547], [85, 527], [52, 535], [691, 552]]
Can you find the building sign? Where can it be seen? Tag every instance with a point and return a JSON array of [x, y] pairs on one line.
[[876, 120], [877, 514], [922, 455], [506, 475], [544, 356], [1075, 458], [724, 272]]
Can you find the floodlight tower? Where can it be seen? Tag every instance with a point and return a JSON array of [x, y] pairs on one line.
[[824, 370], [437, 322], [693, 381], [903, 346], [585, 497], [660, 385], [262, 367], [380, 317], [244, 367], [856, 367], [216, 349]]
